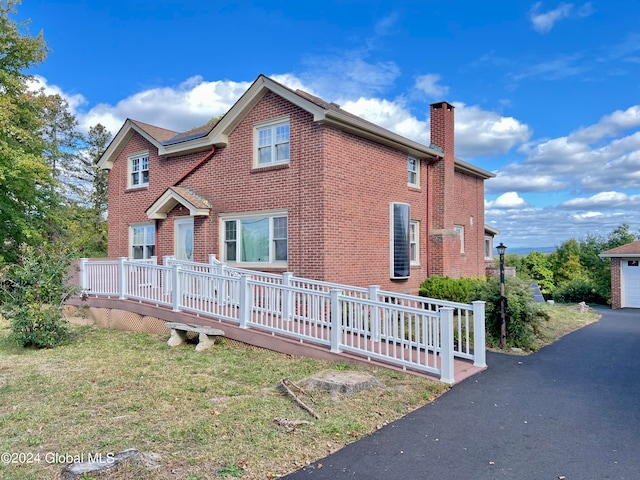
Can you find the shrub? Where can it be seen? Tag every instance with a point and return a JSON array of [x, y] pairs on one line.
[[463, 290], [523, 314], [579, 289], [33, 294]]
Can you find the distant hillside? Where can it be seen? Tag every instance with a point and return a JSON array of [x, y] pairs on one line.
[[526, 250]]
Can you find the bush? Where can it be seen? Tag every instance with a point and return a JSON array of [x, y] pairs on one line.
[[523, 314], [579, 289], [33, 294], [462, 290]]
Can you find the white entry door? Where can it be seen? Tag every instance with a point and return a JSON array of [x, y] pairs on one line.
[[184, 239], [631, 283]]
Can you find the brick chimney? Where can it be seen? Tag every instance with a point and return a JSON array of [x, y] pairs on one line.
[[442, 130], [444, 242]]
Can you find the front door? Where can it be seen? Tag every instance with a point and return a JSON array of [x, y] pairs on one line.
[[184, 239]]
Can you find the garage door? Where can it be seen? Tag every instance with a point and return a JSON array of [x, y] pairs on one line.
[[631, 283]]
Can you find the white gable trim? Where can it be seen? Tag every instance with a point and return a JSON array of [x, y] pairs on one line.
[[167, 201]]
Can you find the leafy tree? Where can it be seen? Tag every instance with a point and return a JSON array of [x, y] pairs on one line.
[[87, 222], [620, 236], [537, 266], [27, 186], [565, 261]]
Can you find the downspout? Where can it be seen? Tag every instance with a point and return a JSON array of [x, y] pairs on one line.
[[429, 164], [208, 155]]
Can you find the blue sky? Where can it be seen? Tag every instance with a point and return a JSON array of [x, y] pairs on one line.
[[547, 94]]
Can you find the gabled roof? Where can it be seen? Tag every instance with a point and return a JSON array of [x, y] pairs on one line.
[[197, 205], [172, 143], [630, 250]]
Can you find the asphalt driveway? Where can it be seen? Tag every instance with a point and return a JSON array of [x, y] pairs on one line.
[[570, 411]]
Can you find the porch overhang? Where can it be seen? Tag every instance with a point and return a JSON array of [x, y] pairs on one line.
[[197, 206]]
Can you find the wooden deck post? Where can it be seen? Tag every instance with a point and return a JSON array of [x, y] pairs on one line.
[[124, 277], [479, 335], [244, 311], [287, 297], [84, 284], [336, 320], [374, 321], [446, 350], [176, 290]]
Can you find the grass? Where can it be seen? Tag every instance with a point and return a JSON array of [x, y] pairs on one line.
[[563, 319], [207, 415]]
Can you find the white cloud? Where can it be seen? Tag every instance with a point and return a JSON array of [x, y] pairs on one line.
[[349, 75], [514, 177], [587, 215], [482, 132], [507, 200], [603, 200], [543, 22], [75, 101], [428, 84], [391, 115], [609, 125], [478, 132]]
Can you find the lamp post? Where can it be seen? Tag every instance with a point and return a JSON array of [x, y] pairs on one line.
[[503, 321]]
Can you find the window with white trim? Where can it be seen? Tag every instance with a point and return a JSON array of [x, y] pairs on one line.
[[400, 242], [272, 143], [139, 170], [256, 239], [143, 240], [413, 167], [414, 232], [460, 231], [488, 247]]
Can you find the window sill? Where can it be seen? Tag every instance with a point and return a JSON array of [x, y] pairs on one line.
[[268, 168], [415, 188], [261, 266], [135, 189]]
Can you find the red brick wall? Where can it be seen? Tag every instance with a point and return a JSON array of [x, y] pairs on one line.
[[337, 190], [468, 211], [362, 180], [128, 206], [616, 284]]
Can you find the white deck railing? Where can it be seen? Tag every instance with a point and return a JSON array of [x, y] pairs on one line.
[[409, 331]]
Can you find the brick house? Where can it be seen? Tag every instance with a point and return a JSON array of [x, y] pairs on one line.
[[285, 181], [625, 275]]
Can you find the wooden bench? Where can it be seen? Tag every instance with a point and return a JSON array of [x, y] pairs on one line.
[[179, 331]]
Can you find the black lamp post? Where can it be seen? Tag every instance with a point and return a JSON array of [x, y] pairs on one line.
[[503, 321]]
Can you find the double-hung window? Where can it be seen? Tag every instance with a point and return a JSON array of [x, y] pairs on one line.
[[256, 239], [139, 170], [459, 229], [272, 143], [413, 167], [488, 247], [414, 232], [143, 241]]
